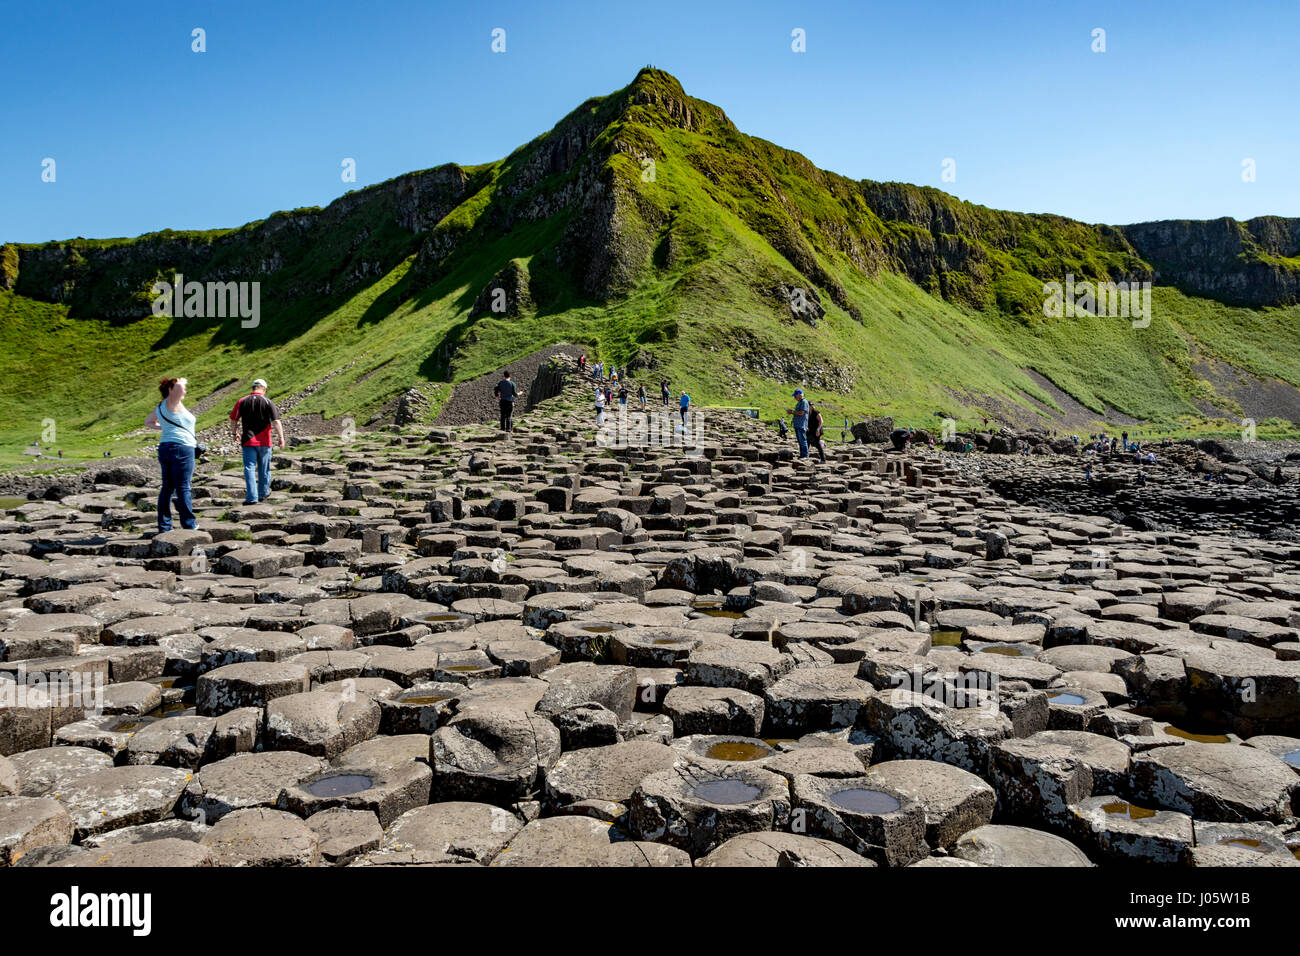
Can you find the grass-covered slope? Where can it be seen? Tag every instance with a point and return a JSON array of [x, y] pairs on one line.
[[644, 225]]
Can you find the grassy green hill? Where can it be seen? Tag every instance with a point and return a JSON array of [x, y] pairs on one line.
[[646, 227]]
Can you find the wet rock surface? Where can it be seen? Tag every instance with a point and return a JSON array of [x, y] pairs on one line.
[[449, 647]]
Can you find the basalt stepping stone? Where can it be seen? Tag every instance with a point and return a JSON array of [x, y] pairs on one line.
[[464, 666], [586, 725], [248, 684], [243, 781], [1286, 749], [190, 830], [29, 822], [320, 723], [745, 665], [145, 630], [864, 814], [999, 845], [719, 751], [611, 686], [9, 785], [325, 667], [1071, 707], [1235, 855], [608, 773], [917, 726], [810, 699], [121, 797], [522, 658], [697, 809], [714, 710], [420, 709], [582, 841], [1083, 657], [132, 698], [108, 733], [653, 646], [345, 834], [475, 831], [1262, 691], [491, 756], [260, 836], [1038, 777], [258, 561], [382, 775], [376, 688], [1222, 782], [955, 801], [1155, 677], [31, 645], [402, 665], [249, 645], [326, 637], [778, 849], [516, 693], [1112, 829], [181, 742], [44, 770]]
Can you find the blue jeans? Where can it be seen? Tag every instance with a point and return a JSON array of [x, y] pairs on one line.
[[257, 472], [177, 464], [801, 434]]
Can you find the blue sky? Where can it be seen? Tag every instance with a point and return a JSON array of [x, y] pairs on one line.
[[147, 134]]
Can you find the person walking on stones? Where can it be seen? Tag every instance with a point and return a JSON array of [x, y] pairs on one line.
[[622, 398], [176, 447], [506, 392], [641, 395], [600, 405], [1124, 436], [799, 417], [815, 431], [782, 431], [685, 406], [665, 393], [582, 363], [250, 424]]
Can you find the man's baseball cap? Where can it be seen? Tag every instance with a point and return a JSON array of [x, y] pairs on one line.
[[259, 383], [797, 391]]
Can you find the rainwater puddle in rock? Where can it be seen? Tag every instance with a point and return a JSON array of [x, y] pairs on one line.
[[727, 792], [1009, 650], [1246, 843], [861, 800], [1124, 808], [1173, 731], [719, 612], [945, 638], [737, 750], [597, 628], [422, 699], [340, 785], [442, 618], [1293, 758], [1062, 697]]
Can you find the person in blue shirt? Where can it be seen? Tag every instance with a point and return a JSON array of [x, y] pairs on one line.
[[799, 418], [176, 447], [686, 403]]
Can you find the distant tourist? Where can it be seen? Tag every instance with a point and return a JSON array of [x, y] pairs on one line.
[[1124, 435], [506, 392], [1141, 478], [582, 362], [1087, 473], [250, 424], [641, 395], [175, 453], [781, 429], [1277, 473], [666, 393], [799, 418], [600, 405], [622, 397], [685, 403]]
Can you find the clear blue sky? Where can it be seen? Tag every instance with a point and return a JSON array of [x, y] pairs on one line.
[[148, 135]]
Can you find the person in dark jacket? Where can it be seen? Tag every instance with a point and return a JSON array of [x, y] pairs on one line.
[[505, 393]]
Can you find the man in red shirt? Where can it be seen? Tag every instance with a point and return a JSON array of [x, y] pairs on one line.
[[250, 424]]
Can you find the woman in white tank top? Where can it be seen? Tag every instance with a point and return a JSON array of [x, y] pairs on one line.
[[175, 453]]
